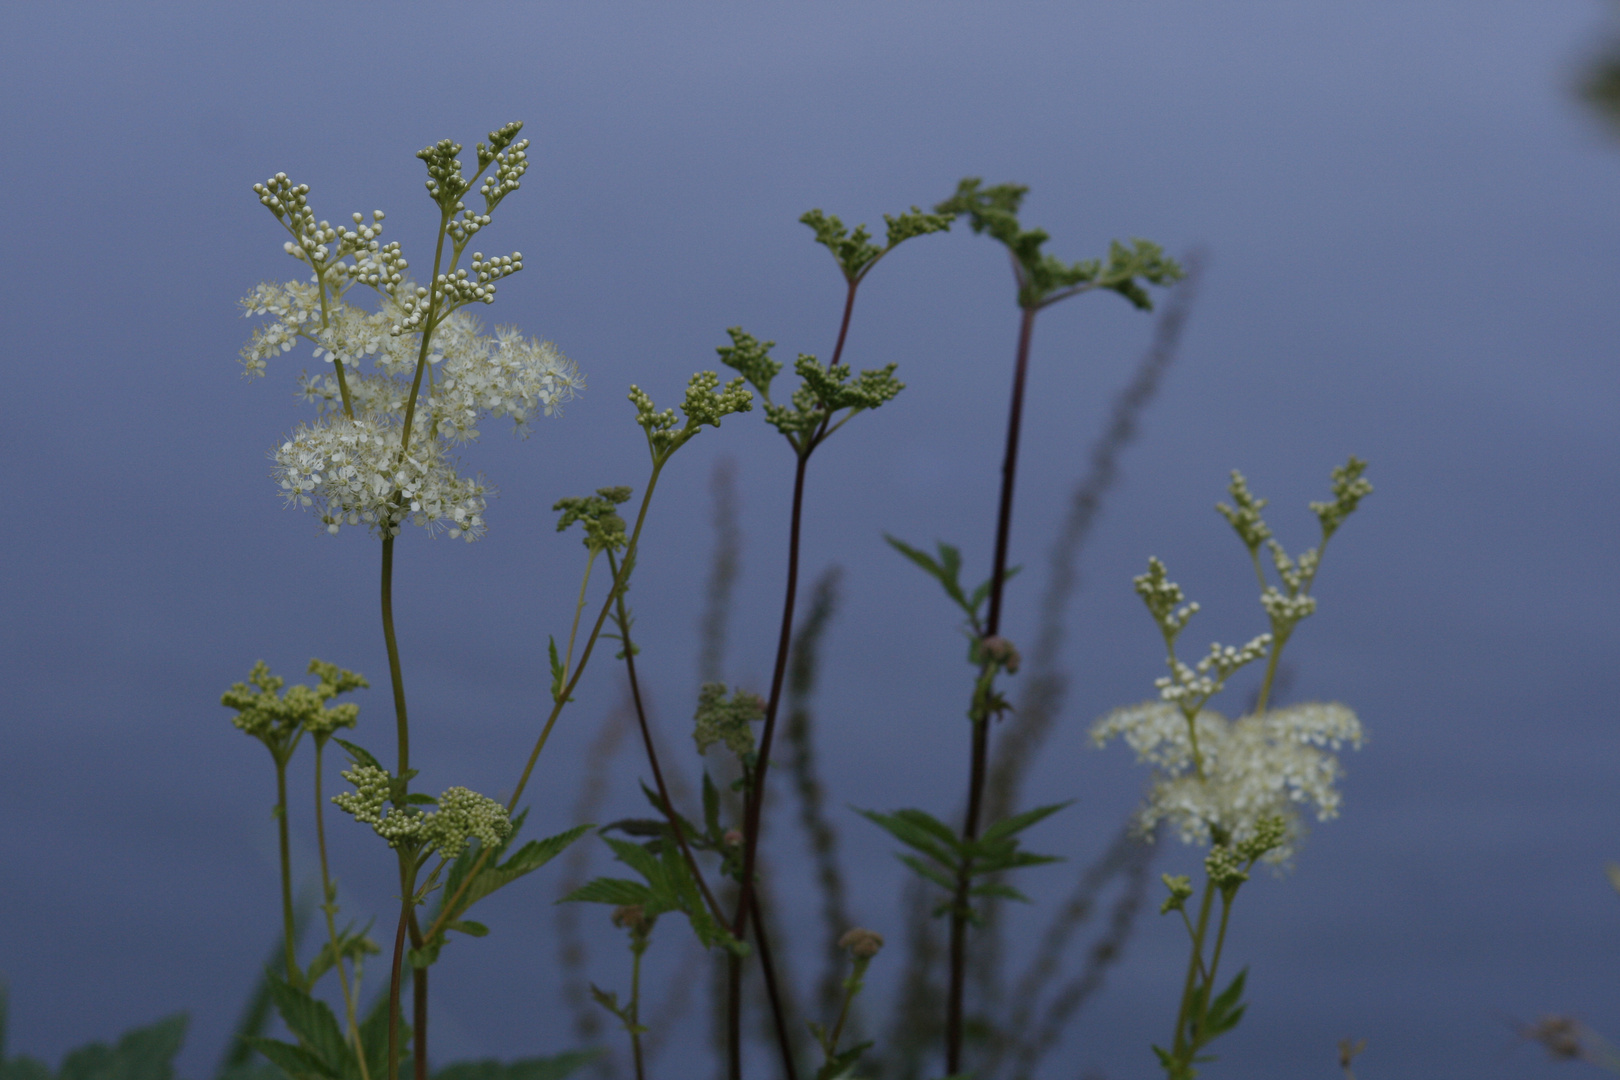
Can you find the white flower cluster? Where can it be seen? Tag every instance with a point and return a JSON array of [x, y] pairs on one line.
[[1254, 768], [462, 815], [1191, 687], [354, 471]]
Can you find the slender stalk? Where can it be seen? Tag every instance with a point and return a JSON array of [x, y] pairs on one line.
[[772, 992], [396, 676], [393, 989], [1215, 957], [419, 995], [843, 325], [1194, 965], [667, 805], [568, 658], [287, 929], [619, 581], [1009, 470], [981, 725], [329, 906], [1271, 674], [756, 790], [635, 1008]]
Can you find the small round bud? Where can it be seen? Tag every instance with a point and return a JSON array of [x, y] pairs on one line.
[[631, 917], [732, 838], [999, 650], [862, 944]]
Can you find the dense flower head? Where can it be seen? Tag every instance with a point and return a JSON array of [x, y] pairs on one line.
[[403, 383], [461, 815], [350, 470], [274, 718], [721, 720], [1255, 769]]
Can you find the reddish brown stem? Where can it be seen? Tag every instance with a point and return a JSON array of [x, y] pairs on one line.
[[393, 992], [981, 724]]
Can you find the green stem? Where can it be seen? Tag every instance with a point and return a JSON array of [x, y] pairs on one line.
[[329, 906], [288, 931], [578, 609], [393, 990], [852, 986], [407, 889], [429, 324], [396, 676], [634, 1011], [1180, 1048], [1215, 959], [619, 581], [1277, 643]]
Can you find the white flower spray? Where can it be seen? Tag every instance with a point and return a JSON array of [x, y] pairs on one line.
[[1235, 786]]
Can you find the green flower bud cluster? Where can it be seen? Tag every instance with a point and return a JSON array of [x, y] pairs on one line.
[[1042, 278], [604, 528], [1349, 488], [1245, 519], [823, 389], [461, 815], [1181, 891], [511, 161], [705, 403], [855, 252], [277, 720], [1162, 597], [1226, 869], [445, 183], [720, 720]]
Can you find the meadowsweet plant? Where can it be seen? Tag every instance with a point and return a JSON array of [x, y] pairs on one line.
[[1238, 788], [954, 859], [403, 384]]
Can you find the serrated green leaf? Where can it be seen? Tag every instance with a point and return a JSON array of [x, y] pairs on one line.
[[527, 859], [146, 1053], [311, 1020], [945, 573], [359, 754], [657, 801], [639, 859], [1011, 826], [999, 890], [920, 832], [841, 1066], [293, 1060], [928, 870], [616, 891], [996, 862], [982, 593], [555, 1067], [374, 1032], [557, 671]]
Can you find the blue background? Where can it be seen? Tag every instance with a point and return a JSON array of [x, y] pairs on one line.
[[1413, 229]]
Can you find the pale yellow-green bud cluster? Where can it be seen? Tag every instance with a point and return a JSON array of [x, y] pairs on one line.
[[461, 815]]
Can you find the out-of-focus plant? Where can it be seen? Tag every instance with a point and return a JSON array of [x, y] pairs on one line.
[[406, 384], [1234, 787]]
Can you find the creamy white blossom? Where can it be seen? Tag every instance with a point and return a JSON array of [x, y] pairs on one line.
[[1272, 765], [358, 471]]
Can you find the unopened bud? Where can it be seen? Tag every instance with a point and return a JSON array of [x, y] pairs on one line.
[[999, 650], [861, 943], [630, 917], [732, 838]]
